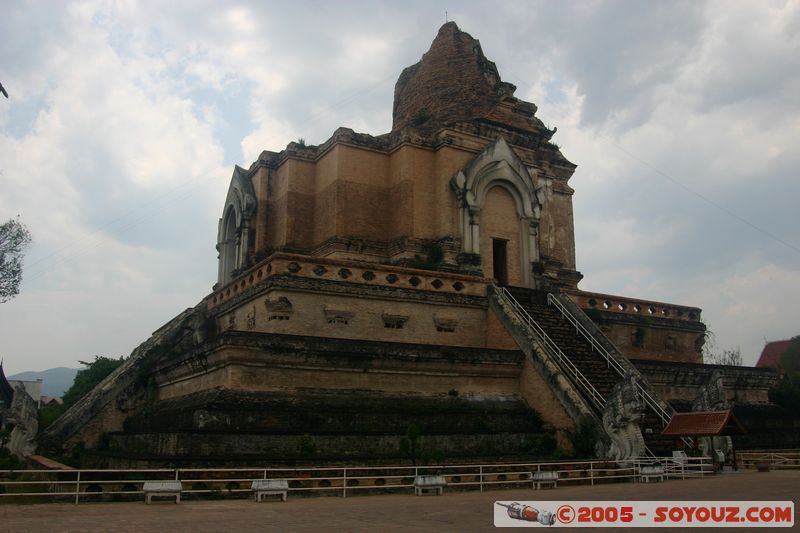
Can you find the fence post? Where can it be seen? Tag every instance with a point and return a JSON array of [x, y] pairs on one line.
[[344, 483], [591, 473], [78, 488], [480, 477]]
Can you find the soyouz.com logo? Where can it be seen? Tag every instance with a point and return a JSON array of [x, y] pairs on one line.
[[644, 514]]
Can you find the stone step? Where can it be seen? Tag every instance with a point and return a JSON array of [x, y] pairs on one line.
[[576, 348], [590, 363]]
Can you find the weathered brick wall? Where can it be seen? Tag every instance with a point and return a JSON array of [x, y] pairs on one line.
[[292, 363], [682, 381], [646, 329], [537, 394], [246, 449], [312, 315], [556, 228], [658, 343], [497, 336]]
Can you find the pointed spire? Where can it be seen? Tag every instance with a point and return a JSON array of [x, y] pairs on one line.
[[452, 82]]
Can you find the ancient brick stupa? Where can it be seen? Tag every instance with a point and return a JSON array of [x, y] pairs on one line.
[[359, 298]]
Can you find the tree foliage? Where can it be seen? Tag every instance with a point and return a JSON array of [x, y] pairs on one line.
[[14, 239], [790, 359], [713, 356], [726, 357], [87, 378], [7, 460], [786, 393]]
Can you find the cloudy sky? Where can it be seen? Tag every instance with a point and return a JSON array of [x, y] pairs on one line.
[[125, 120]]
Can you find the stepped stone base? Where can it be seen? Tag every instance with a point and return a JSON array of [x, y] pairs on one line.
[[244, 428], [243, 449]]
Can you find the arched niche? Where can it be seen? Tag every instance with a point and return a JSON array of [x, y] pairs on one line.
[[233, 235], [498, 166]]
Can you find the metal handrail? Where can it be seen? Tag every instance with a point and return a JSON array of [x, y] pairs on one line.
[[563, 361], [776, 458], [477, 476], [610, 360]]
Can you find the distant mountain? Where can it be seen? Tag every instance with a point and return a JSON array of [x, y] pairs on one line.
[[55, 381]]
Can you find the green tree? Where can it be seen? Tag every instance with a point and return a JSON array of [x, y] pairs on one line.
[[7, 460], [786, 393], [14, 239], [87, 378], [790, 359]]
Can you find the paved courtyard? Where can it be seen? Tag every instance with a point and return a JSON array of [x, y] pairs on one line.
[[454, 511]]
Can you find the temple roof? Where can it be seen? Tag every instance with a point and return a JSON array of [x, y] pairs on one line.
[[771, 354], [454, 82], [703, 424]]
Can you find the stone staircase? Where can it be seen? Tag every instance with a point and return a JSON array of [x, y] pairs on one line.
[[651, 431], [588, 361], [579, 351]]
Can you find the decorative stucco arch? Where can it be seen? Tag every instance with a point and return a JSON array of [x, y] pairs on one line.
[[498, 165], [233, 235]]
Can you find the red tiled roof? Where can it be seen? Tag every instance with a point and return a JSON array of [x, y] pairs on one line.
[[771, 354], [703, 424]]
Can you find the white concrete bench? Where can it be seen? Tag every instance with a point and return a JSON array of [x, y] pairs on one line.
[[647, 472], [549, 477], [162, 488], [424, 484], [269, 487]]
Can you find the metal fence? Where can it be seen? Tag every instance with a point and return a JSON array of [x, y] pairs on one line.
[[93, 485], [774, 459]]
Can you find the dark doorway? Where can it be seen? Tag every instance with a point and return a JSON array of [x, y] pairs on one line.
[[500, 261]]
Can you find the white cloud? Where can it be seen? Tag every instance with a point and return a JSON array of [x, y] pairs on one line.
[[113, 142], [119, 110]]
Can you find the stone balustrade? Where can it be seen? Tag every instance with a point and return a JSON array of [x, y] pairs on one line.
[[632, 306], [349, 271]]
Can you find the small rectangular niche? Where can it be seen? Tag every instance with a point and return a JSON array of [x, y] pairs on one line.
[[338, 316], [392, 321], [278, 308], [445, 323]]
